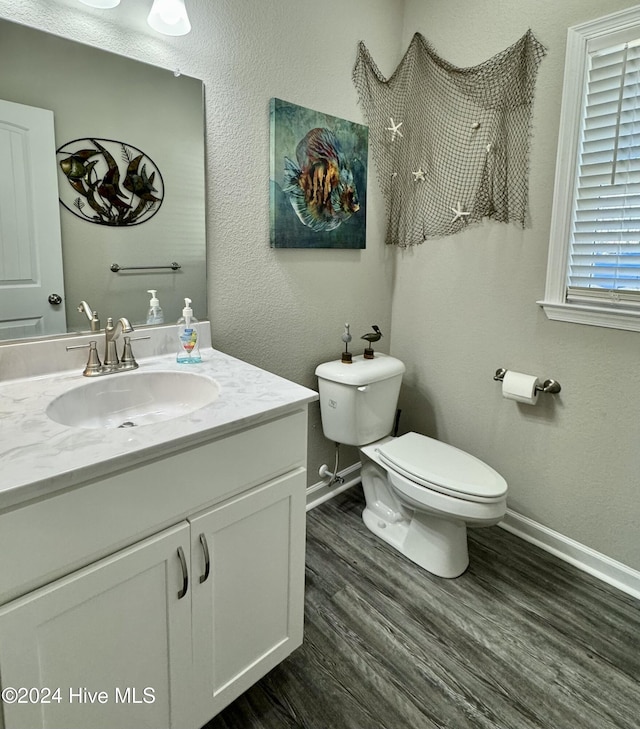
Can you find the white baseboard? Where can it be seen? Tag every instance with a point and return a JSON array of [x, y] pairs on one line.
[[599, 565], [321, 491], [584, 558]]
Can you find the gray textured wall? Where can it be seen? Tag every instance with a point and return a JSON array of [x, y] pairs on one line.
[[466, 305]]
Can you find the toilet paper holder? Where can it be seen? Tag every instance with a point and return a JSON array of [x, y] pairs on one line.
[[551, 386]]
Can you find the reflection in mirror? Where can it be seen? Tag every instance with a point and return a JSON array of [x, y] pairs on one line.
[[132, 192]]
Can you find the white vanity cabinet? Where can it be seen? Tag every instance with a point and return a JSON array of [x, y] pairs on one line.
[[166, 589], [105, 633], [248, 611]]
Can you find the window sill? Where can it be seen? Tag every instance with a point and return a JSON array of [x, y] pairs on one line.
[[597, 316]]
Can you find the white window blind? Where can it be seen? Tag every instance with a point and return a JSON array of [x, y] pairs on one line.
[[604, 254]]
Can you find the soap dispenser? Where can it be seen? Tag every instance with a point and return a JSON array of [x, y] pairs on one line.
[[155, 315], [188, 348]]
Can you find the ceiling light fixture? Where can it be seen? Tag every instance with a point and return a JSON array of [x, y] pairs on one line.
[[104, 4], [169, 17]]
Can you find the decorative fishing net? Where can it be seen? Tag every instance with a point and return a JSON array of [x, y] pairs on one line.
[[450, 144]]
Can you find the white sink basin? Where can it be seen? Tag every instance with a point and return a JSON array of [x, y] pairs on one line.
[[127, 400]]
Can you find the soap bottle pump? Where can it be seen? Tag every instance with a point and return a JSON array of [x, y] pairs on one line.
[[155, 315], [188, 348]]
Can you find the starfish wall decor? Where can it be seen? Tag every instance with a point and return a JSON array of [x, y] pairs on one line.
[[468, 127]]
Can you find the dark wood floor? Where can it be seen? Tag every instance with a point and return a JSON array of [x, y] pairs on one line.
[[522, 640]]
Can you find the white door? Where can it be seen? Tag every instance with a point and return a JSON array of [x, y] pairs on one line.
[[109, 646], [248, 596], [30, 241]]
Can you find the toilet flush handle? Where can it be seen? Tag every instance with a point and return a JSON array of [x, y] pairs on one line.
[[364, 388]]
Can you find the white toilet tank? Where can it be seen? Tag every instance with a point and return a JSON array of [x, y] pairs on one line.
[[358, 400]]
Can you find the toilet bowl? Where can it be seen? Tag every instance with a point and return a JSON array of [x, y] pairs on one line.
[[420, 496], [420, 493]]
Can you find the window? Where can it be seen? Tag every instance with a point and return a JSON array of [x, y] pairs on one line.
[[593, 274]]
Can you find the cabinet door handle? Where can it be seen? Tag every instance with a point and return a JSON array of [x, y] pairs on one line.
[[185, 574], [207, 563]]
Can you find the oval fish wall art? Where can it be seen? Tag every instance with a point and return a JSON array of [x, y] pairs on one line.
[[108, 182]]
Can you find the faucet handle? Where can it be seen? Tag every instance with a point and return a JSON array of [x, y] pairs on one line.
[[93, 366], [128, 361], [93, 362]]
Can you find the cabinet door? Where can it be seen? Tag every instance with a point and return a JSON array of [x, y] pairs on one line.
[[248, 612], [114, 638]]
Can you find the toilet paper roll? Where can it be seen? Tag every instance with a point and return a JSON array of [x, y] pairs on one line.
[[520, 387]]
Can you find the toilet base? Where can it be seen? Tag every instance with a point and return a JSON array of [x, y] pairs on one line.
[[437, 545]]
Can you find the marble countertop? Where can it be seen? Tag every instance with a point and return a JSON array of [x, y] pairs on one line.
[[39, 456]]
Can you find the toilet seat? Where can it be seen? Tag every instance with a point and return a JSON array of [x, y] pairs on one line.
[[443, 468]]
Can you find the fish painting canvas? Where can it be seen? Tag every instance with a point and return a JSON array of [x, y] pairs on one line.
[[318, 185]]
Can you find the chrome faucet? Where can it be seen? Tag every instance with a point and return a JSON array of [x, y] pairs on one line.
[[91, 315], [112, 363], [111, 334]]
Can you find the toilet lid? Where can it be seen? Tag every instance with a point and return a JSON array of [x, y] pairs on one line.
[[442, 467]]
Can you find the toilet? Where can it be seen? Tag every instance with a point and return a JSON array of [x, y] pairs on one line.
[[420, 493]]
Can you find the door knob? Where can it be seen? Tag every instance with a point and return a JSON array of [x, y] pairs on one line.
[[55, 299]]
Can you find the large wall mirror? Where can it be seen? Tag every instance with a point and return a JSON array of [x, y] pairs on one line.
[[131, 187]]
